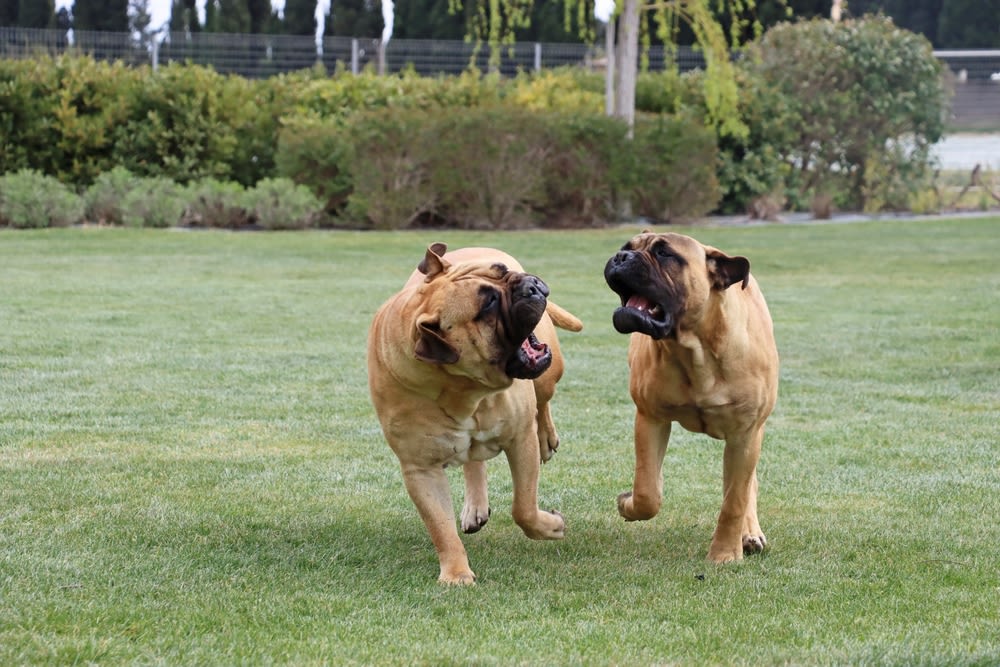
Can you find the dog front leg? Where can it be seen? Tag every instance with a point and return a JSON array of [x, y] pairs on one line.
[[737, 530], [524, 467], [476, 510], [429, 490], [643, 501]]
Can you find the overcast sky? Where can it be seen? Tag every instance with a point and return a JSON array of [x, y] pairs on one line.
[[160, 11]]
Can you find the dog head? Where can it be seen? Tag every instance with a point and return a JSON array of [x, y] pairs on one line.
[[666, 281], [477, 319]]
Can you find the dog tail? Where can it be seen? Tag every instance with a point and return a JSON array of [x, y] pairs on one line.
[[562, 318]]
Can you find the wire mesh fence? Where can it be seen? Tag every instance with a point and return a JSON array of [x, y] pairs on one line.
[[975, 73], [261, 55]]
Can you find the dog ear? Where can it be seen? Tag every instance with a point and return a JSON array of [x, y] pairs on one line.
[[431, 345], [726, 271], [434, 262]]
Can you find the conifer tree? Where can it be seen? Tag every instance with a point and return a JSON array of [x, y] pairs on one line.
[[101, 15], [355, 18], [300, 17], [34, 13]]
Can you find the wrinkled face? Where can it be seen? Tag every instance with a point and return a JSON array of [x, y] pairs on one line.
[[664, 280], [477, 320]]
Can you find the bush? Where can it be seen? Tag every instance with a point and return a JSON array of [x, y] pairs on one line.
[[863, 101], [278, 203], [753, 174], [29, 199], [488, 167], [670, 173], [60, 115], [564, 90], [154, 202], [105, 198], [317, 154], [667, 92], [213, 203], [500, 167], [182, 124], [343, 94], [583, 169], [391, 161]]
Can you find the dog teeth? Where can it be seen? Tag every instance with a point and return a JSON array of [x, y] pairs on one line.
[[644, 305]]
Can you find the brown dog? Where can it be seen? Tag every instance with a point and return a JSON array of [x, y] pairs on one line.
[[462, 364], [702, 354]]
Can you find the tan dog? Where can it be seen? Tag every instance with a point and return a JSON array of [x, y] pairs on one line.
[[462, 364], [702, 354]]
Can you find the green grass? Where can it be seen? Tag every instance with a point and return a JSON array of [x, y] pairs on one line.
[[191, 471]]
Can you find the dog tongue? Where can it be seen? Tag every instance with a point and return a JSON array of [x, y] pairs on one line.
[[639, 303], [533, 350]]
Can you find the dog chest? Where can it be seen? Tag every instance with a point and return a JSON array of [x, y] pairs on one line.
[[474, 444]]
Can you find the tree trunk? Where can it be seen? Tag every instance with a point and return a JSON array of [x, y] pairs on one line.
[[627, 62], [609, 67]]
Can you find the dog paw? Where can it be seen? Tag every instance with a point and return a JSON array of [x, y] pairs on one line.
[[631, 510], [548, 444], [543, 525], [721, 556], [460, 578], [623, 505], [754, 544], [474, 518]]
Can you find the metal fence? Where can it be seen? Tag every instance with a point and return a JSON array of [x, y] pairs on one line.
[[261, 55], [976, 73]]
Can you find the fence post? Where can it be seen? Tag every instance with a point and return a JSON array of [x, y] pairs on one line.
[[354, 55], [538, 56], [156, 51]]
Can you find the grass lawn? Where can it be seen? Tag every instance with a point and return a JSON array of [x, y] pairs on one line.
[[191, 471]]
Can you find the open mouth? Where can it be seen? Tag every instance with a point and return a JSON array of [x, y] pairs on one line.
[[531, 359], [641, 314]]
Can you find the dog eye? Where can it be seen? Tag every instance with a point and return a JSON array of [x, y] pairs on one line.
[[490, 302], [663, 251]]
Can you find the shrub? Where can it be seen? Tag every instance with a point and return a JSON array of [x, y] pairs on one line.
[[340, 95], [214, 203], [278, 203], [392, 155], [752, 170], [22, 132], [255, 109], [864, 102], [502, 167], [666, 92], [669, 175], [316, 153], [59, 115], [182, 124], [154, 202], [488, 167], [565, 90], [31, 199], [581, 169], [105, 198]]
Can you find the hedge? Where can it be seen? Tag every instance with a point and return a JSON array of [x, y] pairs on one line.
[[843, 113]]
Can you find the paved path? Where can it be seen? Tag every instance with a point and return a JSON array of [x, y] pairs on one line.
[[965, 151]]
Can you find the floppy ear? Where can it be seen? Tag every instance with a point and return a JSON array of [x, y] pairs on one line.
[[434, 262], [431, 345], [726, 271]]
